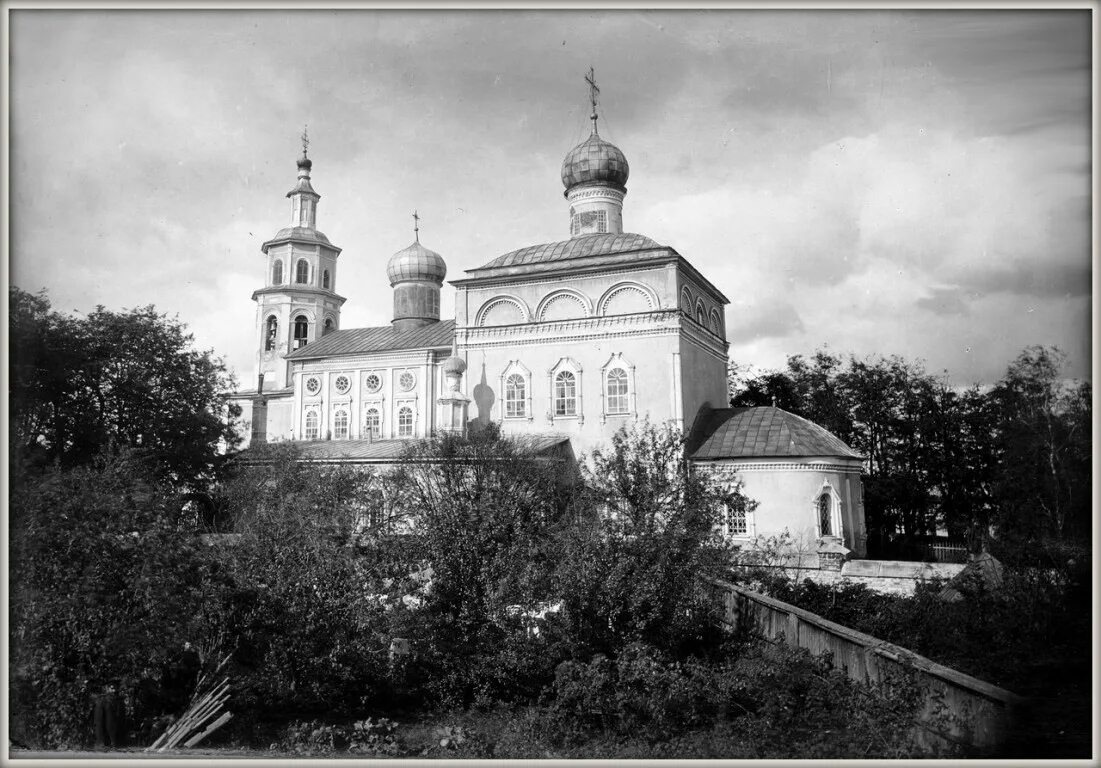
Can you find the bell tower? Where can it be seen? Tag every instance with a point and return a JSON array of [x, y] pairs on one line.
[[298, 303]]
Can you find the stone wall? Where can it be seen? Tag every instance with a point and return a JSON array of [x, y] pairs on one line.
[[960, 710], [895, 577]]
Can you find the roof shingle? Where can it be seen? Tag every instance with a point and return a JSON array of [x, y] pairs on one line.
[[352, 341], [735, 433], [574, 248]]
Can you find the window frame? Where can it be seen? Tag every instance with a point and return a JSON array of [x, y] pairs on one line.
[[311, 412], [571, 366], [516, 368], [376, 433], [617, 362], [298, 272], [271, 333], [277, 272], [338, 415], [402, 408]]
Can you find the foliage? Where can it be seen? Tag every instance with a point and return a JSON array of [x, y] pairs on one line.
[[307, 638], [104, 590], [627, 569], [1031, 636], [81, 386], [1014, 457], [484, 512]]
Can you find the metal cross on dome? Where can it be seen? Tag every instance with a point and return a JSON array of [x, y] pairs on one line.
[[416, 226], [305, 139], [593, 93]]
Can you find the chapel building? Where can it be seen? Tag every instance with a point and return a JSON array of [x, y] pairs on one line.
[[564, 342]]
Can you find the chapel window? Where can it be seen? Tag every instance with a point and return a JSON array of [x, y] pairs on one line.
[[617, 391], [325, 279], [372, 423], [405, 422], [328, 326], [515, 396], [312, 425], [565, 394], [340, 425], [277, 272], [301, 331], [271, 333], [735, 521], [825, 516], [302, 272]]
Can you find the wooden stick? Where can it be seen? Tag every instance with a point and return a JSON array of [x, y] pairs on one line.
[[213, 727]]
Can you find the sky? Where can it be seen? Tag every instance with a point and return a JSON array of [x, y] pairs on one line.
[[876, 182]]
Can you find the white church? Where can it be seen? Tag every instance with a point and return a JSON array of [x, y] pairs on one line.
[[565, 342]]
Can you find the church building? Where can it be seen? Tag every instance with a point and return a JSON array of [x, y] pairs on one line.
[[565, 342]]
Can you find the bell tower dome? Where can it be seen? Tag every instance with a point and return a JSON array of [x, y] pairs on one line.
[[298, 303]]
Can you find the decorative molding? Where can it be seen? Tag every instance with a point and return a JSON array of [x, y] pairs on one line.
[[489, 304], [729, 467], [558, 295], [470, 285], [628, 285]]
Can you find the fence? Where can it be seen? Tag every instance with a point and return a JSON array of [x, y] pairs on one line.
[[959, 710]]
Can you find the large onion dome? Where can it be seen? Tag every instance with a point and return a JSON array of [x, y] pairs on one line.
[[416, 263], [595, 161]]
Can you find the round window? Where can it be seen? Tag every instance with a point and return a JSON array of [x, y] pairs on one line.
[[313, 384], [342, 384], [372, 382], [407, 380]]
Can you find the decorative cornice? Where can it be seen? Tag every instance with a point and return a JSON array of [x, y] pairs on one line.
[[569, 279], [291, 293], [728, 467]]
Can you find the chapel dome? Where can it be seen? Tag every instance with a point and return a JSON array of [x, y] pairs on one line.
[[595, 161], [416, 263], [454, 365]]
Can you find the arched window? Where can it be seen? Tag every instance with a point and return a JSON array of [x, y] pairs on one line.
[[825, 515], [328, 326], [312, 425], [565, 394], [325, 279], [271, 333], [405, 421], [302, 272], [301, 331], [372, 424], [700, 317], [340, 425], [277, 272], [617, 401], [516, 396]]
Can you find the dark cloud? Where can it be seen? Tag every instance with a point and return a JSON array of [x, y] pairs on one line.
[[775, 320], [1041, 279]]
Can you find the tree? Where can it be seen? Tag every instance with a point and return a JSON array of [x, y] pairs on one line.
[[629, 567], [1042, 481], [104, 590], [81, 386]]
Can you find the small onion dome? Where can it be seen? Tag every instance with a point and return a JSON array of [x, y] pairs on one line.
[[416, 263], [453, 365], [305, 163], [595, 161]]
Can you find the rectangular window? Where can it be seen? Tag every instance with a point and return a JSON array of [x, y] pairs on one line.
[[736, 522], [565, 394]]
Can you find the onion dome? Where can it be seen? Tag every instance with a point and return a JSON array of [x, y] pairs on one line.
[[453, 365], [416, 263], [595, 161], [305, 163]]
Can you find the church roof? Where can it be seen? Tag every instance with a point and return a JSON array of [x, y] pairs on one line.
[[385, 451], [352, 341], [736, 433], [302, 234], [574, 248]]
